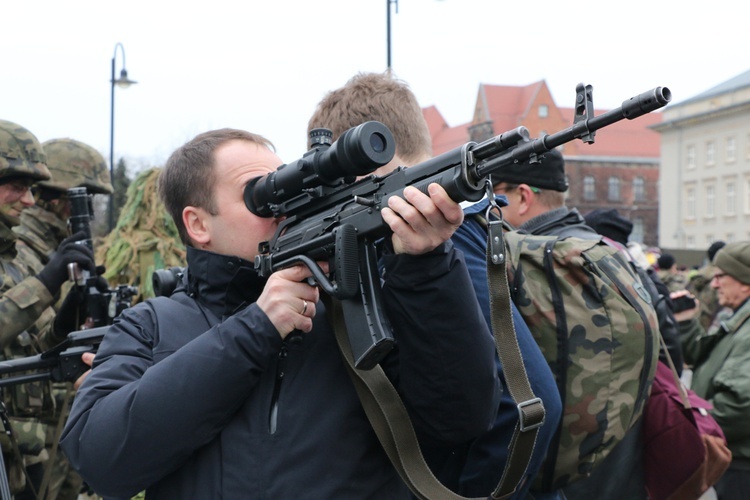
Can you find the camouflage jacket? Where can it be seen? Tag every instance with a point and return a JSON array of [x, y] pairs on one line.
[[674, 282], [39, 234], [23, 298]]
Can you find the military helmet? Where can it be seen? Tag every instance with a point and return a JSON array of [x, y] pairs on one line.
[[75, 164], [21, 155]]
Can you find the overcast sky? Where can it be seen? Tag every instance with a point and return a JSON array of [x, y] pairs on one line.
[[263, 66]]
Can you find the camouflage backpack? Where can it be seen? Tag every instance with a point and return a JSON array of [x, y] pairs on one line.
[[597, 329]]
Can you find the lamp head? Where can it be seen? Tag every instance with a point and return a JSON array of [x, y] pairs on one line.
[[124, 82]]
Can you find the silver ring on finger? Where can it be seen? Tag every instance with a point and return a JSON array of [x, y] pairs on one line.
[[304, 307]]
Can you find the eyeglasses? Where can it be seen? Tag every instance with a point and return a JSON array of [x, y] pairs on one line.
[[718, 276], [19, 187]]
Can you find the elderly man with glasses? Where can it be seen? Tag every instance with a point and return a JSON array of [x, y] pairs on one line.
[[721, 362]]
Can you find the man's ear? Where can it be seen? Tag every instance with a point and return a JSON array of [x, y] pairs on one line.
[[198, 225], [525, 199]]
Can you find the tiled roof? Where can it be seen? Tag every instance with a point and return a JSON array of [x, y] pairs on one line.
[[511, 106], [628, 138]]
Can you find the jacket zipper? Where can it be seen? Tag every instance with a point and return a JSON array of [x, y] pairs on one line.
[[280, 367]]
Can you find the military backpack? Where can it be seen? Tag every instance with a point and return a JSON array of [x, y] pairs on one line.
[[597, 329]]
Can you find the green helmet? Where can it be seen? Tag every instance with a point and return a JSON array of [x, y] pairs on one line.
[[75, 164], [21, 155]]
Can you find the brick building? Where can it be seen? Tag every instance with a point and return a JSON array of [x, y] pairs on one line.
[[620, 170]]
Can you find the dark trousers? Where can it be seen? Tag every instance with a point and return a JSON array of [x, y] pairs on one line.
[[735, 483]]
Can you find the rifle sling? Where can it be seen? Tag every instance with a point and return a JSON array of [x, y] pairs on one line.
[[390, 420]]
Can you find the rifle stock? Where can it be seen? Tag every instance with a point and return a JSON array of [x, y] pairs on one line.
[[61, 363], [330, 218]]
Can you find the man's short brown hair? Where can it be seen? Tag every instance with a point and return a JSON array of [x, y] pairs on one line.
[[380, 97], [187, 179]]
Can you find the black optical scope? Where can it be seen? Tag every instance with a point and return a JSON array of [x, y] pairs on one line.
[[359, 151]]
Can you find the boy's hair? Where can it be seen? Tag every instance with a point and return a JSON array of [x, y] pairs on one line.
[[188, 180], [380, 97]]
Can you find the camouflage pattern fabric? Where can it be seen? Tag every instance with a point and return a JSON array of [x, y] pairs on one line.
[[75, 164], [39, 234], [23, 300], [597, 329], [21, 155], [673, 282], [144, 240]]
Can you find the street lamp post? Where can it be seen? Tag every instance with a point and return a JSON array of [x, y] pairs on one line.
[[388, 27], [123, 82]]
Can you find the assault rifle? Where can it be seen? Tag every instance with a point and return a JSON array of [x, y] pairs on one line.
[[331, 216], [100, 305], [61, 363]]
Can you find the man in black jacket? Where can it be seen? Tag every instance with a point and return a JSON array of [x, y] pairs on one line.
[[201, 396]]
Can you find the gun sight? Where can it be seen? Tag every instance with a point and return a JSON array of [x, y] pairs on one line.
[[359, 151]]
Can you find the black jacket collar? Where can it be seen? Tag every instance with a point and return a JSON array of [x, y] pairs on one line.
[[223, 283]]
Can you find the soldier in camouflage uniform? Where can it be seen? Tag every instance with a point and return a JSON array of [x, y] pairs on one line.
[[24, 300], [71, 164], [668, 273]]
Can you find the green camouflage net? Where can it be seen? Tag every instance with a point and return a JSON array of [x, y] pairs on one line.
[[144, 240]]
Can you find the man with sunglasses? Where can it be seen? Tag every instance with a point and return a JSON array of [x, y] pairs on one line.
[[721, 361]]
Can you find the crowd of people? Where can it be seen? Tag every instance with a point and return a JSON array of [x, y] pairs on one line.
[[235, 385]]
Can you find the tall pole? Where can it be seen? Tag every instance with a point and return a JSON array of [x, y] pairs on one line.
[[123, 82], [111, 210], [388, 28]]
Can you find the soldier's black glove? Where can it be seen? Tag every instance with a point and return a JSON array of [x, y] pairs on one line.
[[55, 273]]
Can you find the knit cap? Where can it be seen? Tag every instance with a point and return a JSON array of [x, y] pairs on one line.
[[734, 259]]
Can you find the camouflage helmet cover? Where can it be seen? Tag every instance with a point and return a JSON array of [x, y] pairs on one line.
[[75, 164], [21, 155]]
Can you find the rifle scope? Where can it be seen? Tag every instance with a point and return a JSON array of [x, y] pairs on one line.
[[80, 213], [359, 151]]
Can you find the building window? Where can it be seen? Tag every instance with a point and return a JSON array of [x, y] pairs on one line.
[[638, 231], [731, 199], [747, 196], [690, 203], [730, 238], [731, 150], [690, 241], [691, 156], [614, 189], [639, 189], [543, 111], [710, 153], [589, 188], [710, 201]]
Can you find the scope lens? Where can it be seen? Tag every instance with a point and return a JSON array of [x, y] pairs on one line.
[[377, 141]]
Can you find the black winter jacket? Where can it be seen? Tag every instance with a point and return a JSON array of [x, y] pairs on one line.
[[206, 402]]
